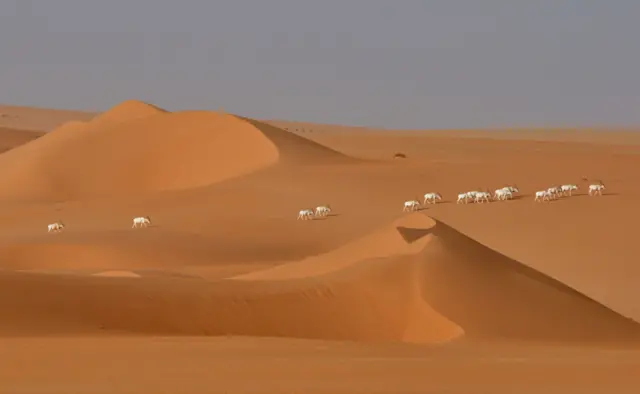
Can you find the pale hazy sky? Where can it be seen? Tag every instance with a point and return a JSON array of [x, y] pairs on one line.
[[399, 64]]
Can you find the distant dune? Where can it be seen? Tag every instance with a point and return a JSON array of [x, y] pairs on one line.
[[137, 148], [38, 119], [422, 282]]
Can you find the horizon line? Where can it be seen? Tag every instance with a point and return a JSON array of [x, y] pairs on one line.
[[538, 128]]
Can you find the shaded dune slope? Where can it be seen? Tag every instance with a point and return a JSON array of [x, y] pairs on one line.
[[299, 149], [11, 138], [136, 148], [427, 284]]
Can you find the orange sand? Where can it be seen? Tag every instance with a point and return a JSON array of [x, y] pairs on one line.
[[227, 291]]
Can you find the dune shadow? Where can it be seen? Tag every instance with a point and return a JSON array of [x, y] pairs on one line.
[[468, 282], [411, 235]]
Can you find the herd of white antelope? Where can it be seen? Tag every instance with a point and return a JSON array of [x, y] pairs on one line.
[[505, 193]]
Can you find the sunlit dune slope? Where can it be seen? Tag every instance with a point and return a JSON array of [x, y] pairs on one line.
[[427, 284], [137, 149], [397, 239], [126, 111]]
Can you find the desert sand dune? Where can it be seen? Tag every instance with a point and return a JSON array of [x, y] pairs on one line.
[[135, 148], [426, 284]]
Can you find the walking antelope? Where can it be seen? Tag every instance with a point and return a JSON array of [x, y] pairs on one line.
[[543, 195], [411, 205], [554, 191], [482, 197], [502, 194], [465, 197], [512, 189], [55, 227], [142, 221], [596, 190], [431, 198], [462, 197], [568, 189], [306, 214], [323, 210]]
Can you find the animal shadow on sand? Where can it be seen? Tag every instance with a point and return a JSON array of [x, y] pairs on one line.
[[325, 217], [586, 194], [440, 202]]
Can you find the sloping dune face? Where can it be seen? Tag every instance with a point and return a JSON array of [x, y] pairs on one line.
[[406, 236], [136, 148], [494, 297], [298, 149], [424, 283]]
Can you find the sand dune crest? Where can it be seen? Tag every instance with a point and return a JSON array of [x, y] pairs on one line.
[[406, 235], [126, 111]]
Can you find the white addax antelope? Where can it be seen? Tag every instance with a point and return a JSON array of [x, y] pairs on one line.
[[596, 189], [465, 197], [482, 197], [564, 189], [512, 189], [506, 192], [431, 198], [554, 191], [411, 205], [543, 195], [502, 194], [323, 210], [306, 214], [55, 227], [462, 198], [142, 221]]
